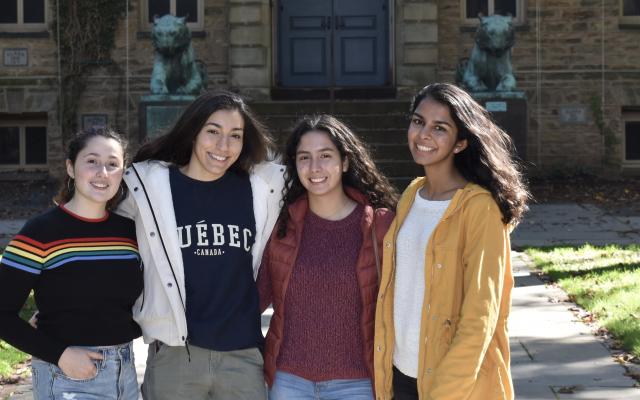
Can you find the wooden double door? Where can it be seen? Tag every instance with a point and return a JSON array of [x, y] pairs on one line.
[[333, 43]]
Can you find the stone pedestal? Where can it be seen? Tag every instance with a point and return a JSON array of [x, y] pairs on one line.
[[158, 113], [509, 111]]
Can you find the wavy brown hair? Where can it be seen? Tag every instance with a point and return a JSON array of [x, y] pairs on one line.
[[76, 145], [362, 173], [489, 159], [176, 146]]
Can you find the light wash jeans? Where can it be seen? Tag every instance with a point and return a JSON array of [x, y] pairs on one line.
[[292, 387], [115, 380]]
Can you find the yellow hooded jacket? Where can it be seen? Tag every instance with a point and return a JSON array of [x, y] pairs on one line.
[[464, 347]]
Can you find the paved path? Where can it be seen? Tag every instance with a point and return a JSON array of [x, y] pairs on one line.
[[551, 351], [574, 224]]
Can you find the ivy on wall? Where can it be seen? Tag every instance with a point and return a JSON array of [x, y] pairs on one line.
[[85, 40], [609, 137]]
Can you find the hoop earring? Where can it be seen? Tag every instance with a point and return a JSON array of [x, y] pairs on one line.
[[121, 192], [70, 185]]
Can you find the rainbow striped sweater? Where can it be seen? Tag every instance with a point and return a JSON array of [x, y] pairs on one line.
[[85, 275]]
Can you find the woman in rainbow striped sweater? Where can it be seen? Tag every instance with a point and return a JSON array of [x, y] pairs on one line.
[[82, 263]]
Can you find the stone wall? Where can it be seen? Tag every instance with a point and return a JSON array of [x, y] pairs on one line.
[[250, 47], [569, 56], [416, 44], [33, 90]]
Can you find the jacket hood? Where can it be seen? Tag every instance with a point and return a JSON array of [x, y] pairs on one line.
[[461, 197]]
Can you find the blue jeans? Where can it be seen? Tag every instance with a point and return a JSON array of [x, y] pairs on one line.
[[115, 380], [292, 387]]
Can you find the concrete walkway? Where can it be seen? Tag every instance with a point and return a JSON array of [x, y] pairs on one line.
[[554, 356], [574, 224], [552, 352]]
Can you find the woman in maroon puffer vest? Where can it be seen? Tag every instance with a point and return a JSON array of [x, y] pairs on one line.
[[319, 269]]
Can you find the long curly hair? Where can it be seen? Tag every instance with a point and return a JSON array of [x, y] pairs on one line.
[[176, 146], [489, 159], [362, 173]]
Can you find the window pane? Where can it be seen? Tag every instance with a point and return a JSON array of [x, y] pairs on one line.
[[475, 7], [632, 140], [505, 7], [631, 7], [33, 11], [9, 145], [36, 145], [188, 8], [158, 8], [8, 11]]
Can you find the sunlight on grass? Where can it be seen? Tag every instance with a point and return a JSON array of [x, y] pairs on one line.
[[604, 280]]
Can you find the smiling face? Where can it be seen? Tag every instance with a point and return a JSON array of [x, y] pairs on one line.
[[97, 172], [217, 146], [319, 164], [433, 135]]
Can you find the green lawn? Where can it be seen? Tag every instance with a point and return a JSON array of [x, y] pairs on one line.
[[604, 280], [10, 356]]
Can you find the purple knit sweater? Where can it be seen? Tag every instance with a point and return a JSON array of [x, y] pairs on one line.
[[322, 332]]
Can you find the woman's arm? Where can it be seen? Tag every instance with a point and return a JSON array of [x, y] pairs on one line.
[[264, 281], [484, 262], [15, 286], [18, 276]]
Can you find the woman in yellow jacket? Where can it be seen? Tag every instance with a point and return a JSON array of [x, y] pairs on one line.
[[445, 295]]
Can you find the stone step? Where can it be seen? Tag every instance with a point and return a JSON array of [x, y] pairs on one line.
[[383, 136], [382, 124], [399, 169], [397, 152], [283, 124], [298, 108]]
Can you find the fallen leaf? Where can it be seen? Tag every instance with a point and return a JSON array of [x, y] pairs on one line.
[[569, 389]]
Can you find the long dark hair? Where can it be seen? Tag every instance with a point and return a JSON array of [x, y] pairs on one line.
[[176, 146], [76, 145], [362, 173], [489, 159]]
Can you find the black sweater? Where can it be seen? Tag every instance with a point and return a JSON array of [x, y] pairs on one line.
[[85, 274]]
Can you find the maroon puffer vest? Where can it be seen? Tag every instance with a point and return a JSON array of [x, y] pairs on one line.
[[279, 259]]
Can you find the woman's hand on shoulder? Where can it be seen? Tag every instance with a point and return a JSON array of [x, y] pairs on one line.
[[78, 363]]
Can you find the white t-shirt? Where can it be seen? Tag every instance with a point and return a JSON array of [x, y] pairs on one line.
[[411, 246]]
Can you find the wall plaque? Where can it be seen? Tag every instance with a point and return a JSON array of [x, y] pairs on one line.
[[573, 114], [15, 57], [496, 106], [94, 122]]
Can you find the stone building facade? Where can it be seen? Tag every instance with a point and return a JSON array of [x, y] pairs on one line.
[[577, 60]]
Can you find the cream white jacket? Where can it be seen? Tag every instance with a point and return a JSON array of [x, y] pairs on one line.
[[160, 310]]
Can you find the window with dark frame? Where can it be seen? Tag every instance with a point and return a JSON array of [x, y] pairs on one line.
[[22, 12], [632, 141], [180, 8], [33, 11], [23, 145], [10, 145], [631, 8], [490, 7], [35, 145]]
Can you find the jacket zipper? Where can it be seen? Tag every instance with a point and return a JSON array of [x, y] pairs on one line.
[[164, 248], [142, 269]]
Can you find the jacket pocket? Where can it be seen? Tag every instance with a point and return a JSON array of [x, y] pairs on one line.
[[153, 304], [448, 326], [489, 383]]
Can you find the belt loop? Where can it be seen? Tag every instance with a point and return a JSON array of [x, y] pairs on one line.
[[104, 353]]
